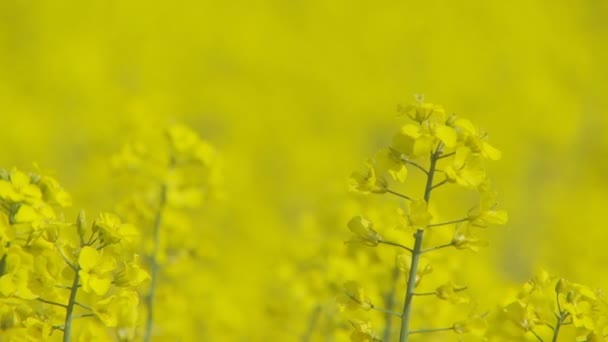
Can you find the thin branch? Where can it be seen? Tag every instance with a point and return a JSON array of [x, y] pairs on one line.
[[416, 165], [67, 261], [84, 306], [446, 155], [399, 194], [435, 292], [437, 247], [390, 243], [51, 302], [390, 312], [63, 287], [535, 334], [440, 183], [448, 222], [84, 316]]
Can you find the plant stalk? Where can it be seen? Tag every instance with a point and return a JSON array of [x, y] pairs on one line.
[[416, 252], [67, 330], [154, 267]]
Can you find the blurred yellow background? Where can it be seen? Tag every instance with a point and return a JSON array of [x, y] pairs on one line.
[[295, 95]]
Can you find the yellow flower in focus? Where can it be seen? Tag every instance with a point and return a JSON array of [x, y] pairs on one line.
[[475, 139], [579, 301], [15, 278], [364, 231], [467, 169], [94, 270], [17, 187], [53, 193], [112, 230]]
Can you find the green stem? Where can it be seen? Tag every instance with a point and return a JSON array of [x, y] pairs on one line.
[[464, 219], [411, 283], [536, 335], [560, 320], [386, 311], [154, 268], [436, 248], [70, 308], [390, 302], [399, 194], [416, 252]]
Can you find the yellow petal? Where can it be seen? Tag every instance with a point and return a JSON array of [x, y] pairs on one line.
[[88, 258]]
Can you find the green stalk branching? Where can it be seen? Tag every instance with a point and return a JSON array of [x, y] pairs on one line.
[[417, 252]]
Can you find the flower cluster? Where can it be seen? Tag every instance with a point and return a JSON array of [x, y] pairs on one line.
[[446, 150], [61, 279], [108, 279], [163, 183], [547, 307]]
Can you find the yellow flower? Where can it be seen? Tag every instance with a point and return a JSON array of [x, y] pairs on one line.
[[18, 187], [187, 146], [364, 231], [354, 298], [451, 293], [413, 141], [388, 160], [131, 274], [118, 310], [522, 315], [475, 325], [94, 270], [363, 332], [464, 238], [112, 230], [419, 216], [15, 278], [53, 193], [421, 111], [467, 169], [475, 139], [367, 181], [486, 213], [579, 301], [37, 330]]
